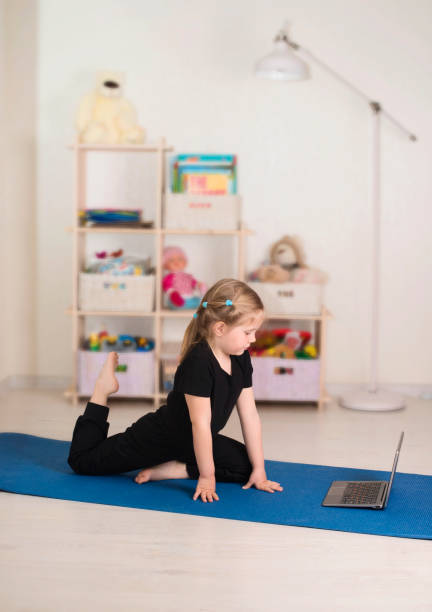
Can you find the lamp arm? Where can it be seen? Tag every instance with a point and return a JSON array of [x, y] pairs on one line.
[[376, 106]]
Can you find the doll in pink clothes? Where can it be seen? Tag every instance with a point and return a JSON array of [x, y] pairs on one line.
[[182, 290]]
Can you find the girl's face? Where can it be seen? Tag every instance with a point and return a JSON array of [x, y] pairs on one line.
[[236, 339]]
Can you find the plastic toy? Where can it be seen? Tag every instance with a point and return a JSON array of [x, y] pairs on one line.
[[283, 343], [110, 343], [124, 343], [118, 264], [127, 343], [144, 344], [94, 344], [104, 254], [182, 290], [309, 352], [281, 351]]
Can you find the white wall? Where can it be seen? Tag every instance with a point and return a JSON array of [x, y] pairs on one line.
[[17, 187], [303, 147]]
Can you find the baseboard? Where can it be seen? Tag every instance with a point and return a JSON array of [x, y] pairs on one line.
[[35, 382], [420, 391]]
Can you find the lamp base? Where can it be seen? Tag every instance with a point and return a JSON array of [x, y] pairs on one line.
[[372, 400]]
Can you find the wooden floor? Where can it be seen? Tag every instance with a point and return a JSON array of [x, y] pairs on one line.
[[59, 555]]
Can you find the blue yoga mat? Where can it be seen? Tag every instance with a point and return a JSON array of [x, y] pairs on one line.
[[31, 465]]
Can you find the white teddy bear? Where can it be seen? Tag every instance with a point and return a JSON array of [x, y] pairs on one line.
[[105, 117]]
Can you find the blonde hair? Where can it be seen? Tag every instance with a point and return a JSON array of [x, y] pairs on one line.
[[244, 302]]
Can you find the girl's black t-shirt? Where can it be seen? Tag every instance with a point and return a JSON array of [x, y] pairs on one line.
[[201, 374]]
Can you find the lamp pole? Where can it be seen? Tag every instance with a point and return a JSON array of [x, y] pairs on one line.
[[373, 398]]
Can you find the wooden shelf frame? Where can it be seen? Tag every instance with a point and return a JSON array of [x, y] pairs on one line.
[[123, 148], [163, 231]]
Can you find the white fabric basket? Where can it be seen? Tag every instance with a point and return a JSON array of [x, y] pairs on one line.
[[290, 298], [202, 212], [116, 293], [286, 379]]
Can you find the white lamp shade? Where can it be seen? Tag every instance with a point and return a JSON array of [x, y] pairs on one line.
[[282, 65]]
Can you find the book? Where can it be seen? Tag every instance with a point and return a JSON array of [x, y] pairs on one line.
[[110, 216], [205, 159], [207, 174]]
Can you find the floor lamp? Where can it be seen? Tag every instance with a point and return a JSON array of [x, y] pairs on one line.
[[284, 65]]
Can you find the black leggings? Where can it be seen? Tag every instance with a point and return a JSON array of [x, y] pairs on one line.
[[145, 444]]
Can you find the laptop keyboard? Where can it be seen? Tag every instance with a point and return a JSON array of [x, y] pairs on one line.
[[361, 493]]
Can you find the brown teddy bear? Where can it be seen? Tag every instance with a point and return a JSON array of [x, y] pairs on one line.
[[287, 264]]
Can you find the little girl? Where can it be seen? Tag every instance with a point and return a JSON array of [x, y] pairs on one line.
[[182, 439]]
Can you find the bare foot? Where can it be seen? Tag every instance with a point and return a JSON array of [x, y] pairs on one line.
[[164, 471], [106, 383]]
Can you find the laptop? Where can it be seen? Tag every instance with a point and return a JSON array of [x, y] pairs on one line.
[[372, 494]]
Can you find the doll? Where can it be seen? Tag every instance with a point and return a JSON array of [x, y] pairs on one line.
[[181, 289]]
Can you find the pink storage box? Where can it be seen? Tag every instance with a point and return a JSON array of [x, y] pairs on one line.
[[286, 379], [136, 381]]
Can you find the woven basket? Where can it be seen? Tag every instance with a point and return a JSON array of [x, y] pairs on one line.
[[116, 293]]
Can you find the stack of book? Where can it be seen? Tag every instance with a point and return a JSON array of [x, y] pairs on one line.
[[110, 216], [208, 174]]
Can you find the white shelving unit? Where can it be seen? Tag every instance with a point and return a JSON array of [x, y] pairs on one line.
[[160, 149], [80, 234]]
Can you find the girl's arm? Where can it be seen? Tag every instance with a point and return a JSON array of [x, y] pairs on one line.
[[200, 416], [252, 434], [251, 428]]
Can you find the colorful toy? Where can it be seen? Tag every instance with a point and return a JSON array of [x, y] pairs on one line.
[[309, 352], [127, 343], [110, 343], [124, 343], [118, 264], [287, 264], [182, 290], [144, 345], [94, 344], [281, 351], [283, 343], [104, 254]]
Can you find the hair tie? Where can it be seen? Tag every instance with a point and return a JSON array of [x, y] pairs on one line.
[[204, 304], [228, 303], [195, 316]]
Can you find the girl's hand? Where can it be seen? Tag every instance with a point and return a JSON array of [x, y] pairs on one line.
[[258, 479], [206, 488]]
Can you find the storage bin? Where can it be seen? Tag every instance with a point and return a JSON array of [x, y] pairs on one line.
[[116, 293], [168, 370], [202, 212], [290, 298], [135, 373], [286, 379]]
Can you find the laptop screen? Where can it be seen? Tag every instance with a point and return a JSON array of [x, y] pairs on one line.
[[395, 462]]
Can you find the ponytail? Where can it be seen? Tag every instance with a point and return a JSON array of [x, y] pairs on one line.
[[191, 337]]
